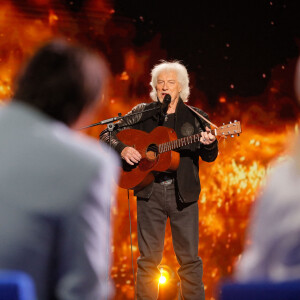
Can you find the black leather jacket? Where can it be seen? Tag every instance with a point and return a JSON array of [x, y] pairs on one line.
[[186, 123]]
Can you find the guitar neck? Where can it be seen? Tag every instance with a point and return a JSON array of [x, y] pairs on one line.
[[171, 145], [228, 129]]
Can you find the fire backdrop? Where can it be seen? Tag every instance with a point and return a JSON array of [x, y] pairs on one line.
[[241, 57]]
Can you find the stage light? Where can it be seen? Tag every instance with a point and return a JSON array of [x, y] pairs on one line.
[[162, 279], [168, 284], [164, 275]]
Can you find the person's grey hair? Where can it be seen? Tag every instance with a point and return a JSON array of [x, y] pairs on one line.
[[182, 77]]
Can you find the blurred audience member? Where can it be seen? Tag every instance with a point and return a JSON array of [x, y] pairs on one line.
[[56, 186], [274, 253]]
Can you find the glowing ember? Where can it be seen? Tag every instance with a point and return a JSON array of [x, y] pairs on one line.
[[222, 99], [53, 18], [124, 76]]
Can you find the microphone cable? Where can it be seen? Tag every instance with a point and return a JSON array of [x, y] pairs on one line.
[[131, 246]]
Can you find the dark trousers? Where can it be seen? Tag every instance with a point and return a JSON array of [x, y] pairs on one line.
[[152, 215]]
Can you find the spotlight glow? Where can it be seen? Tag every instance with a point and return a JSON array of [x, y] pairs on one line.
[[164, 275], [162, 279]]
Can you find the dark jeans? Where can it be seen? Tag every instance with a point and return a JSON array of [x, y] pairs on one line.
[[152, 215]]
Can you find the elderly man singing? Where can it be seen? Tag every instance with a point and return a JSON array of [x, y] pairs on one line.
[[174, 194]]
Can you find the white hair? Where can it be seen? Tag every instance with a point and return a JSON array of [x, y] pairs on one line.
[[182, 77]]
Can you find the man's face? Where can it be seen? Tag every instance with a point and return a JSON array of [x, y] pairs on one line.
[[167, 83]]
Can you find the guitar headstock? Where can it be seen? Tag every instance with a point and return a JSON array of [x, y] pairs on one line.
[[231, 129]]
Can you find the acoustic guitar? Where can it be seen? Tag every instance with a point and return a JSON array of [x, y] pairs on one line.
[[156, 151]]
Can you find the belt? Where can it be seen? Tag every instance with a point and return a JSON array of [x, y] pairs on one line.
[[164, 179]]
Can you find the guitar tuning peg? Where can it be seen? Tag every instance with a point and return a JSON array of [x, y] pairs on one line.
[[238, 134], [235, 121], [223, 123], [232, 135], [230, 122]]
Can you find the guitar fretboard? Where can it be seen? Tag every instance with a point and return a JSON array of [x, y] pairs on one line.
[[171, 145]]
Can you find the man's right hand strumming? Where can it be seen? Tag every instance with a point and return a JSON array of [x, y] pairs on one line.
[[130, 155]]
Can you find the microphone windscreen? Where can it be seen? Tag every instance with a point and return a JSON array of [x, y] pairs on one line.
[[167, 99]]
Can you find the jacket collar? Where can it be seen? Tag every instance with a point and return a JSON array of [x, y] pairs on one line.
[[180, 106]]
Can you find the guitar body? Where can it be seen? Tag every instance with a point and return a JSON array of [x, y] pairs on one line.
[[141, 174]]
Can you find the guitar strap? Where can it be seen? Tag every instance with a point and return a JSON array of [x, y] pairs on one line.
[[201, 116]]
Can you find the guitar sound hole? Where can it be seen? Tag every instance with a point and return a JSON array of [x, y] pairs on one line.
[[152, 152]]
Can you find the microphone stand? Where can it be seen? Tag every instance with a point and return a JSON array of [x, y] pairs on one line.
[[110, 121], [111, 126]]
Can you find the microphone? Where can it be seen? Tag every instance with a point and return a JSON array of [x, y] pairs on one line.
[[163, 108], [165, 103]]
